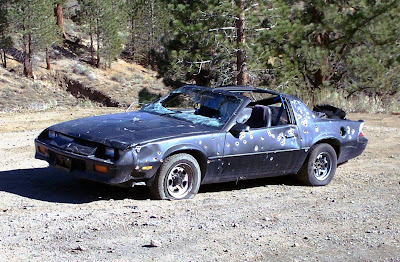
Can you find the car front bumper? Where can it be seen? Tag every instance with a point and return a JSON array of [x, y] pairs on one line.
[[119, 172]]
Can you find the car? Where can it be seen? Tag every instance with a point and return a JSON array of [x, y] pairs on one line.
[[199, 135]]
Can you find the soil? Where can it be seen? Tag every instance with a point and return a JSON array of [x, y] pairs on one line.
[[45, 214]]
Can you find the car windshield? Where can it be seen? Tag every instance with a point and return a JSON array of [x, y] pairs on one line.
[[196, 105]]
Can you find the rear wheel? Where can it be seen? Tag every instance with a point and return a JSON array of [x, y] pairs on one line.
[[320, 166], [178, 178]]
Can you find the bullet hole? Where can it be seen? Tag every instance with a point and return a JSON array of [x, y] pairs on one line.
[[271, 158], [236, 143], [147, 160], [200, 142], [213, 139], [137, 167], [251, 136], [217, 153], [244, 141], [305, 122], [316, 129], [159, 153], [217, 144], [155, 159], [205, 147], [208, 161], [256, 148], [262, 138], [228, 145], [241, 136]]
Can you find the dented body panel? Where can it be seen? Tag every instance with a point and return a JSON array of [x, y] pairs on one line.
[[276, 135]]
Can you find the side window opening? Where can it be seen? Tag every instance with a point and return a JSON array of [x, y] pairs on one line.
[[268, 113]]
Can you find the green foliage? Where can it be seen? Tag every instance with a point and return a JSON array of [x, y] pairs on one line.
[[203, 43], [105, 20], [34, 23], [35, 19], [349, 45], [148, 24], [5, 39]]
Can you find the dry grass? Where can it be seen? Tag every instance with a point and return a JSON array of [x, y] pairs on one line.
[[358, 102], [122, 82]]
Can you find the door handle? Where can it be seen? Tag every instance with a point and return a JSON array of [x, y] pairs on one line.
[[289, 136]]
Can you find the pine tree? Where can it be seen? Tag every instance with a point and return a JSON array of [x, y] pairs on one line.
[[210, 41], [148, 25], [5, 39], [105, 22], [351, 45], [35, 24]]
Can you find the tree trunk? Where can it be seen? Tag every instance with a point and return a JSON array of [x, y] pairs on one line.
[[133, 38], [4, 57], [58, 12], [27, 55], [98, 51], [48, 58], [241, 78], [91, 49], [30, 54]]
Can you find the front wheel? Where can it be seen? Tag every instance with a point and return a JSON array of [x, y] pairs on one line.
[[320, 166], [178, 178]]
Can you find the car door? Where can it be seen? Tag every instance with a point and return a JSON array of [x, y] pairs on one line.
[[265, 151]]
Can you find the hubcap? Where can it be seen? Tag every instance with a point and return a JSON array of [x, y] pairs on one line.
[[178, 180], [322, 166]]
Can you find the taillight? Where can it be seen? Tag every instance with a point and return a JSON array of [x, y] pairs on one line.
[[360, 133]]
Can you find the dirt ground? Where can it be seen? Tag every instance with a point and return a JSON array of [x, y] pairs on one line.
[[47, 215]]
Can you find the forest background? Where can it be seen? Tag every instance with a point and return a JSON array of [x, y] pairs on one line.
[[345, 53]]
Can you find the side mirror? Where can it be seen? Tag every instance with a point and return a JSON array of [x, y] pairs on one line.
[[239, 128]]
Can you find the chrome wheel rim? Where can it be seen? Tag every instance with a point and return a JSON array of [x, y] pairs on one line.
[[322, 166], [178, 180]]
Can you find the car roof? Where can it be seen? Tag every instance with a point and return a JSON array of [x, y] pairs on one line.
[[248, 89]]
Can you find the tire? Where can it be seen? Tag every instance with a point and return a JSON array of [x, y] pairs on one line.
[[320, 166], [178, 178]]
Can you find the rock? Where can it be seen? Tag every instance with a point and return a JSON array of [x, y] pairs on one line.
[[79, 248], [155, 243]]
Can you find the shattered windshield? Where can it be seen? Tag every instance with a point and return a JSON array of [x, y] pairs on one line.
[[196, 105]]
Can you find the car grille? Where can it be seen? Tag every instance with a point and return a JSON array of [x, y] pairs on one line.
[[76, 164]]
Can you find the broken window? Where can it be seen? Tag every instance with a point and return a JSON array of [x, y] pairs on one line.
[[197, 105]]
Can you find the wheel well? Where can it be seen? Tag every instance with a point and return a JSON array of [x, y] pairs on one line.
[[334, 143], [201, 159]]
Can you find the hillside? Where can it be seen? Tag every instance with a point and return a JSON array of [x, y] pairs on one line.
[[73, 82]]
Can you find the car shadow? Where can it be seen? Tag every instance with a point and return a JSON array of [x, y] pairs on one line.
[[243, 184], [53, 185]]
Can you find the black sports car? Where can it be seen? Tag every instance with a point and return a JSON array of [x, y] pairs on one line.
[[198, 135]]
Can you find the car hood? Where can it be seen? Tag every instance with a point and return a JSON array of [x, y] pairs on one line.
[[127, 129]]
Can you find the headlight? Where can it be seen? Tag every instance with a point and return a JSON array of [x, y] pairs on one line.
[[110, 152], [52, 134]]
